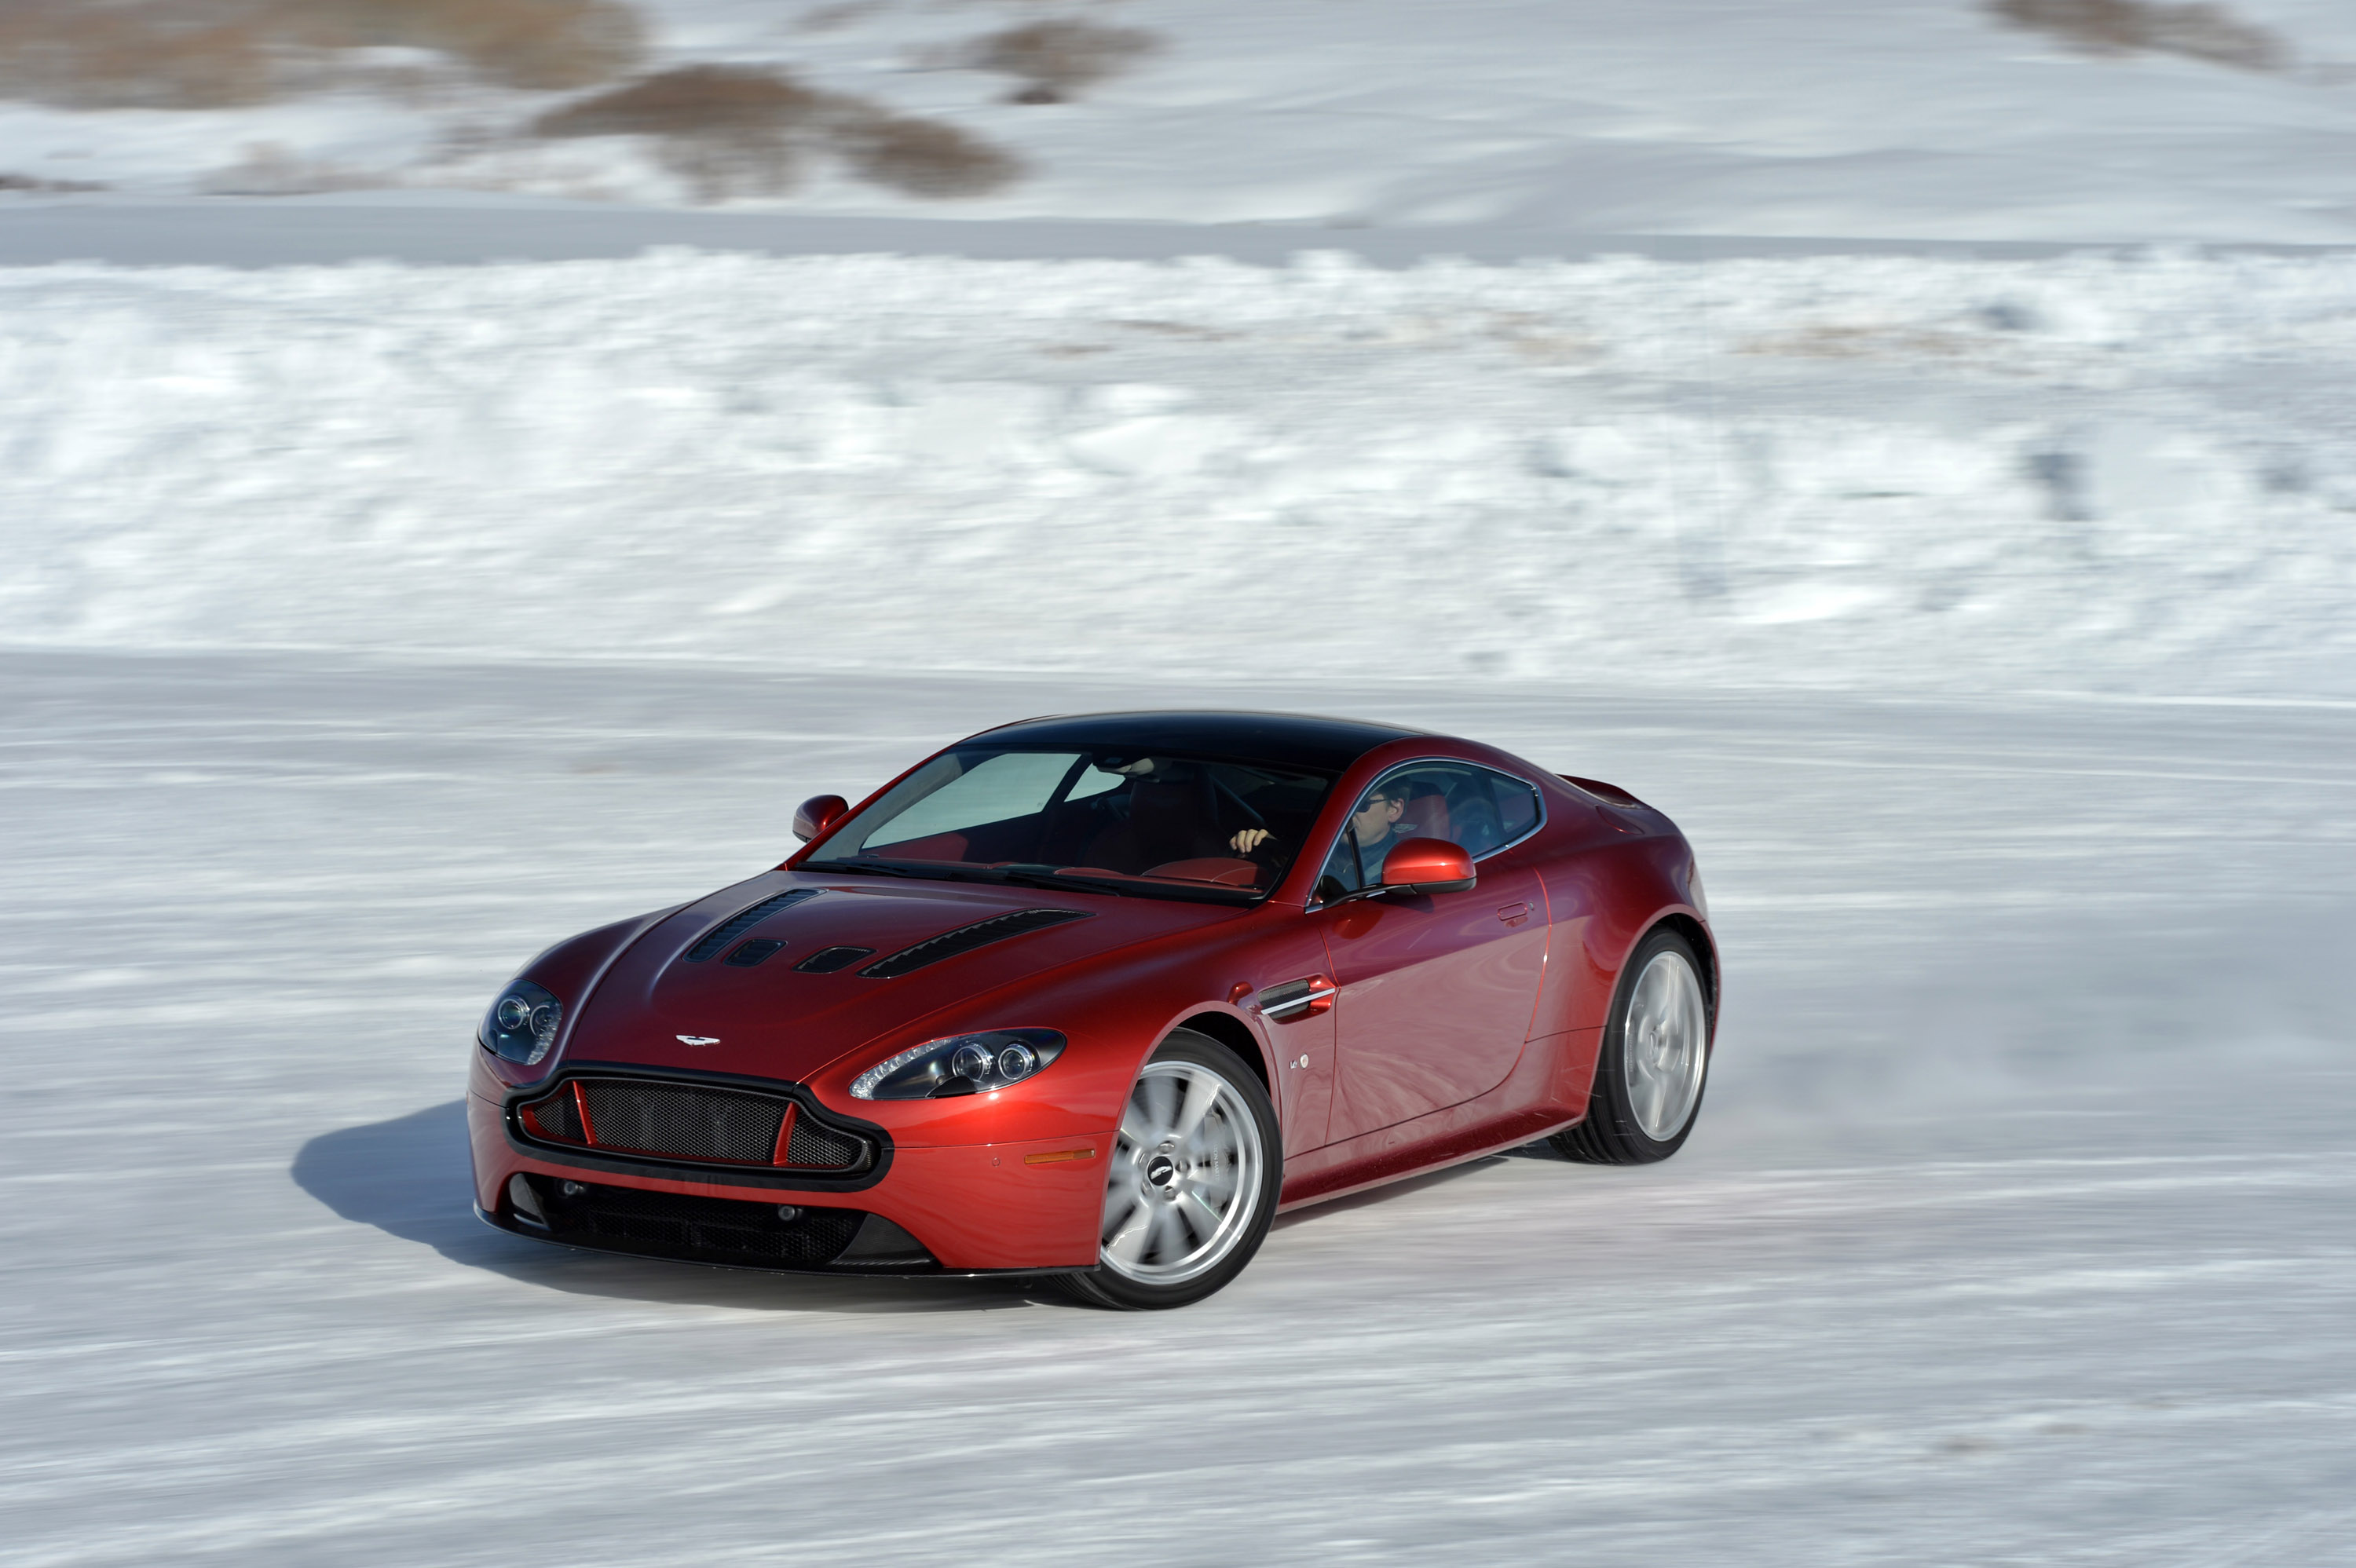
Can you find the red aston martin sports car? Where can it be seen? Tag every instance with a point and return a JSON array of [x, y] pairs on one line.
[[1095, 998]]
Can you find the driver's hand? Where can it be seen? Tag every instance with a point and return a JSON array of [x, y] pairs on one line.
[[1249, 839]]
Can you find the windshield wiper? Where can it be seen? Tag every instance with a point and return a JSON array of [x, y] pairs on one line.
[[1033, 875], [1051, 877], [1192, 892]]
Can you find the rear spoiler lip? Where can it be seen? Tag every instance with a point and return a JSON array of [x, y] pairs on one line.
[[1611, 794]]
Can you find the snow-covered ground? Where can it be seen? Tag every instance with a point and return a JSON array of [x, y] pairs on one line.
[[2134, 471], [1922, 118], [2015, 1230], [1987, 613]]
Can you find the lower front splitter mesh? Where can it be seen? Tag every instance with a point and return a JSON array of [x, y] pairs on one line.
[[718, 1229]]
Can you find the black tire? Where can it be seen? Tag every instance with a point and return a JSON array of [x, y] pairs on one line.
[[1614, 1132], [1239, 1121]]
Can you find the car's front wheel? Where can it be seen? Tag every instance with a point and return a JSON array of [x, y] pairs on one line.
[[1654, 1060], [1195, 1170]]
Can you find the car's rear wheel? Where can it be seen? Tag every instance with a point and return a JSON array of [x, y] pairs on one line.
[[1195, 1170], [1654, 1062]]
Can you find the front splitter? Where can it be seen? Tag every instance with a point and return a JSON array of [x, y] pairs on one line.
[[825, 1271]]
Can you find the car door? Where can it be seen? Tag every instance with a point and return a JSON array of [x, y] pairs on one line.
[[1435, 992]]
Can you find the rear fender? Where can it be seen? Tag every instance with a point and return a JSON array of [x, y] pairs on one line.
[[1604, 903]]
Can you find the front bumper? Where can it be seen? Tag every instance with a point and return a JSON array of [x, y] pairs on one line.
[[982, 1208]]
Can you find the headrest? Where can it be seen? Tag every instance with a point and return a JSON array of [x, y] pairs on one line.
[[1427, 817]]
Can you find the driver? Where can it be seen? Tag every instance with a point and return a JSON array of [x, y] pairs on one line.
[[1373, 829]]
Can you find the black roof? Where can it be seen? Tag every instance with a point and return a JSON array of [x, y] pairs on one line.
[[1286, 739]]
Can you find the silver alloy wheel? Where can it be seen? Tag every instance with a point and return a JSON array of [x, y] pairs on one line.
[[1185, 1177], [1664, 1045]]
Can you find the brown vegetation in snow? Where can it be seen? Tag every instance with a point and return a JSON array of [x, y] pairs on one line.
[[210, 54], [2202, 32], [34, 186], [729, 130], [1055, 59]]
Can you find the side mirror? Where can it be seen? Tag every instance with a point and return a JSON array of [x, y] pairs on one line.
[[1429, 866], [816, 815]]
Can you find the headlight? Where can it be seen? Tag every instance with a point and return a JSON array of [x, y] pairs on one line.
[[960, 1064], [521, 1025]]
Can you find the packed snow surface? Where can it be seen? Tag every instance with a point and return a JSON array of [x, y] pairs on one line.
[[1921, 118], [2129, 472], [2015, 1230], [1989, 623]]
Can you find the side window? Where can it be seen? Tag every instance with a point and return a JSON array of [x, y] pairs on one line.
[[1475, 806], [1491, 810], [1377, 821]]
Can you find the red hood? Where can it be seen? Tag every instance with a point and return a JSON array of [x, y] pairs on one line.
[[772, 1020]]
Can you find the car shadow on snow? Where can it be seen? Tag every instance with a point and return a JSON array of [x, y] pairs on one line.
[[410, 1178]]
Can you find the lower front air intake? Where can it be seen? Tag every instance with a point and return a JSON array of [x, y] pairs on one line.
[[724, 1231]]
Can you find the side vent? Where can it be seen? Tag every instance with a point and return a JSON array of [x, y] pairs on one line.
[[720, 936], [966, 938], [827, 960]]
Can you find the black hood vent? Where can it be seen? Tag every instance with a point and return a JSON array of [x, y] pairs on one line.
[[827, 960], [720, 937], [966, 938]]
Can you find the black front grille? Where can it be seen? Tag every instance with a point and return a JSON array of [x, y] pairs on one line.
[[681, 1122], [555, 1118], [699, 1230], [966, 938], [720, 936], [813, 1144], [689, 1122]]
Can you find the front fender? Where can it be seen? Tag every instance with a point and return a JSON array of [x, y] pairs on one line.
[[1113, 1009]]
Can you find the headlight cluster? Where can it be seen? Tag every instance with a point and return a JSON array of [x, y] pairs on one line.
[[521, 1025], [960, 1064]]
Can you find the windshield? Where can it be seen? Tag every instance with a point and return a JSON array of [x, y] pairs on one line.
[[1213, 827]]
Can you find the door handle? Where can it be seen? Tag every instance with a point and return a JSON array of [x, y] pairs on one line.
[[1514, 914], [1297, 998]]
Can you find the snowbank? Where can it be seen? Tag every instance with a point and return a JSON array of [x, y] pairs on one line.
[[2134, 474]]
